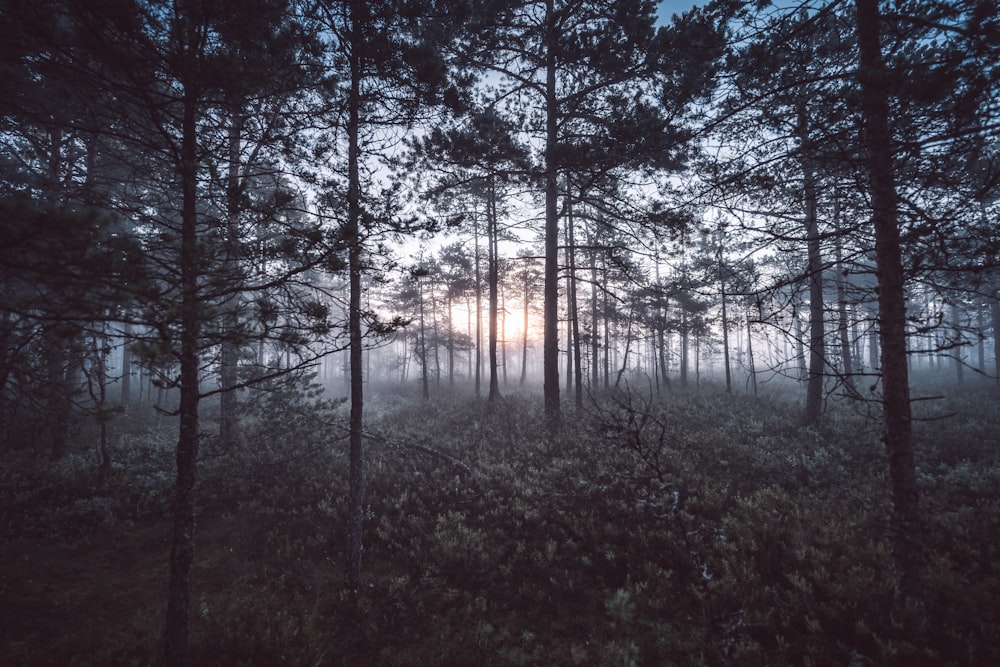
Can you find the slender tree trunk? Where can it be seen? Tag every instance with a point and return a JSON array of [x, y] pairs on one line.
[[906, 532], [574, 313], [981, 341], [126, 388], [524, 332], [468, 328], [436, 348], [800, 350], [569, 305], [100, 406], [550, 352], [479, 308], [178, 620], [873, 344], [753, 368], [817, 338], [956, 325], [725, 324], [503, 334], [229, 354], [995, 316], [843, 312], [685, 339], [352, 233], [628, 348], [451, 343], [424, 373], [607, 325], [494, 280], [595, 339]]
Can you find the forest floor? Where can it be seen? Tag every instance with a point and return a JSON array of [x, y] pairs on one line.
[[697, 528]]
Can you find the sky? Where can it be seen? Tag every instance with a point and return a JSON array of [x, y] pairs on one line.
[[670, 7]]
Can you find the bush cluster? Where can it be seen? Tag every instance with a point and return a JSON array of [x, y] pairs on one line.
[[697, 529]]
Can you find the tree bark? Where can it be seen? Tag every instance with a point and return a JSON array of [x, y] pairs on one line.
[[995, 316], [550, 351], [843, 312], [229, 353], [574, 314], [817, 339], [355, 494], [956, 324], [493, 279], [906, 533], [178, 621], [725, 323]]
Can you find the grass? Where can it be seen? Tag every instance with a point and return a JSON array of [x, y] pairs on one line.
[[701, 529]]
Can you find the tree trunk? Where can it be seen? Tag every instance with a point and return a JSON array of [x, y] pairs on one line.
[[817, 344], [125, 397], [753, 368], [725, 324], [843, 313], [352, 234], [524, 332], [595, 344], [956, 324], [906, 534], [685, 338], [229, 353], [800, 350], [451, 342], [178, 620], [494, 279], [574, 314], [479, 308], [424, 375], [995, 316], [981, 341], [550, 351]]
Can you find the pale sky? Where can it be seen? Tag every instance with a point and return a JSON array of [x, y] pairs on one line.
[[670, 7]]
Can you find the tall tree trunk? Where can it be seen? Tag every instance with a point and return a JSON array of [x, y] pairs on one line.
[[607, 324], [906, 533], [753, 368], [524, 331], [479, 307], [451, 342], [800, 349], [126, 387], [178, 620], [352, 234], [229, 354], [494, 280], [685, 338], [595, 339], [817, 338], [503, 334], [843, 312], [468, 328], [995, 316], [550, 351], [956, 325], [981, 340], [574, 313], [873, 344], [424, 373], [725, 323], [437, 340]]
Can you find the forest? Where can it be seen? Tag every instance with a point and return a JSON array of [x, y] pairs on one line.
[[499, 332]]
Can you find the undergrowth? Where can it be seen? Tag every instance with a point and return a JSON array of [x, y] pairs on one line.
[[693, 530]]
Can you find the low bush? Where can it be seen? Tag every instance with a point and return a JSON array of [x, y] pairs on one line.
[[699, 529]]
